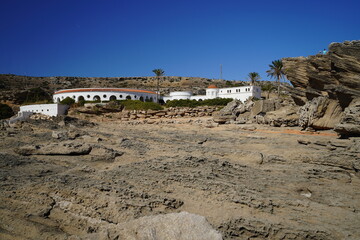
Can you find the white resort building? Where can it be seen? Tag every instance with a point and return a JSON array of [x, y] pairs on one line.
[[239, 93], [105, 94], [109, 94]]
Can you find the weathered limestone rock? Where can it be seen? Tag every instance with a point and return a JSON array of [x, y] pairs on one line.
[[335, 75], [285, 116], [320, 113], [350, 122], [179, 226], [264, 106], [63, 148], [244, 107], [227, 113]]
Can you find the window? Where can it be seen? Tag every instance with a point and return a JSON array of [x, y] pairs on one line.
[[88, 96], [74, 97], [120, 96], [104, 96], [228, 91]]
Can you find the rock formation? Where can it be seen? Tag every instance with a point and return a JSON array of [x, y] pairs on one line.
[[350, 122], [335, 75], [325, 85], [320, 113]]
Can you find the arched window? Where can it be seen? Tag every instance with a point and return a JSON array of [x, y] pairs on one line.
[[112, 98], [81, 98], [96, 98], [200, 100], [128, 97], [120, 96], [141, 98]]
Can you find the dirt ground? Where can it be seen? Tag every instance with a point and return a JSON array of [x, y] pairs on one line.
[[248, 181]]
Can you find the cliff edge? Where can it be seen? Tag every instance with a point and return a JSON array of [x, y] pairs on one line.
[[335, 75]]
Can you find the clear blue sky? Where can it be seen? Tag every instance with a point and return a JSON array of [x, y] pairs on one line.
[[112, 38]]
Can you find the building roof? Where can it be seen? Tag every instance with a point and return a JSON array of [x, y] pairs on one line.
[[103, 90], [212, 86]]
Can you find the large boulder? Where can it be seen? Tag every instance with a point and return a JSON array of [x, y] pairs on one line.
[[335, 75], [264, 106], [176, 226], [320, 113], [350, 122], [285, 116], [227, 113]]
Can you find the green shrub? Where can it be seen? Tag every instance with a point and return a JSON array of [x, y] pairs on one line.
[[195, 103], [5, 111], [68, 101], [139, 105]]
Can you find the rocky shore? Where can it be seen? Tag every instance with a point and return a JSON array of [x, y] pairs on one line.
[[73, 179]]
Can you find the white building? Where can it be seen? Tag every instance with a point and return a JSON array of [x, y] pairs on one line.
[[46, 109], [105, 94], [239, 93]]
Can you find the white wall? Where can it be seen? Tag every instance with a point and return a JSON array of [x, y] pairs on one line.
[[46, 109]]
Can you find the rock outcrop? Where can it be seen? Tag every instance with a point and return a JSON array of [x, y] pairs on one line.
[[264, 106], [227, 114], [64, 148], [350, 122], [285, 116], [320, 113], [335, 75]]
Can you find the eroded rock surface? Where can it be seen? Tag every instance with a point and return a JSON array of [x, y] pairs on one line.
[[335, 75], [248, 181], [350, 123]]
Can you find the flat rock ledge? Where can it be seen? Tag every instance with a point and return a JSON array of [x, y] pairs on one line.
[[63, 148]]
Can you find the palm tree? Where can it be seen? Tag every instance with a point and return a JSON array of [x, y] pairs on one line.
[[158, 72], [276, 71], [253, 77]]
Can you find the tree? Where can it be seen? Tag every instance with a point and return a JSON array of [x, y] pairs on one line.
[[268, 87], [158, 72], [276, 71], [253, 77]]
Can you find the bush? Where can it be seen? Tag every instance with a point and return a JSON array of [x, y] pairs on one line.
[[68, 101], [139, 105], [195, 103], [5, 111]]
